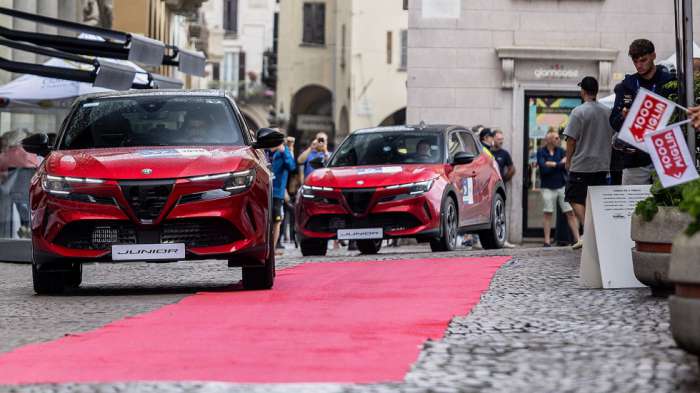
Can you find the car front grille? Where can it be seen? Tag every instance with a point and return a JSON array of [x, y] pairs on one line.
[[101, 235], [147, 198], [358, 200], [199, 233], [389, 222]]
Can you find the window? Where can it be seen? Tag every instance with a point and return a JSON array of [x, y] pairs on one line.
[[389, 39], [342, 47], [470, 145], [314, 23], [231, 16], [405, 5], [152, 121], [404, 49], [454, 146]]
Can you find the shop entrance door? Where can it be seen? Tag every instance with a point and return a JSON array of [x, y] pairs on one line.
[[544, 111]]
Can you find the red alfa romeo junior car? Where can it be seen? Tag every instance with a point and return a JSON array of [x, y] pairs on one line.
[[426, 182], [151, 176]]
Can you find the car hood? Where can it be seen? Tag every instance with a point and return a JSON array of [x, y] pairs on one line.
[[373, 176], [134, 163]]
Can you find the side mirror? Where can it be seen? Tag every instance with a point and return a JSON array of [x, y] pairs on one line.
[[462, 158], [316, 163], [37, 144], [268, 138]]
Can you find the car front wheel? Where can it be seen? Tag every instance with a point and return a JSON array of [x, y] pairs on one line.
[[450, 223], [55, 280], [369, 246], [313, 247], [261, 277], [495, 237]]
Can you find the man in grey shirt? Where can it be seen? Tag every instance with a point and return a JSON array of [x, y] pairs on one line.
[[588, 147]]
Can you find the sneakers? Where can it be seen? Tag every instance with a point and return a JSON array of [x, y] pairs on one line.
[[546, 245], [508, 245], [577, 245]]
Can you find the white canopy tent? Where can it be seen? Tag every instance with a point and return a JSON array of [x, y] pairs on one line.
[[669, 63], [36, 94]]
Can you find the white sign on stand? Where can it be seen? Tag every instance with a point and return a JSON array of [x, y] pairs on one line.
[[606, 259]]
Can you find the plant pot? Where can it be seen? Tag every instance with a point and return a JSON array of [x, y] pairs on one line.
[[651, 256], [685, 304]]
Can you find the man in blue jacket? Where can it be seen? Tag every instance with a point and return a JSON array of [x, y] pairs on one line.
[[282, 165], [638, 168]]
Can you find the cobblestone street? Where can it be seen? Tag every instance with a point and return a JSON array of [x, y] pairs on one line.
[[534, 330]]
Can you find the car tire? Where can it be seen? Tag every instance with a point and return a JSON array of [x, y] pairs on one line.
[[369, 247], [261, 277], [52, 282], [313, 247], [449, 225], [495, 237]]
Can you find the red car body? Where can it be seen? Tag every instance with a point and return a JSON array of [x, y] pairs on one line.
[[152, 195], [375, 196]]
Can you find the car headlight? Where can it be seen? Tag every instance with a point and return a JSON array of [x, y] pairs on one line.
[[63, 185], [416, 188], [233, 182], [309, 192]]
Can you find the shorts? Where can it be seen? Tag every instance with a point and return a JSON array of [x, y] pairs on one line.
[[277, 209], [551, 196], [577, 186]]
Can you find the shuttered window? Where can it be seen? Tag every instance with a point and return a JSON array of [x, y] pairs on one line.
[[404, 49], [314, 23], [231, 16]]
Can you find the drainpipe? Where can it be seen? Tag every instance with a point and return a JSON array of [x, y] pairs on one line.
[[687, 18]]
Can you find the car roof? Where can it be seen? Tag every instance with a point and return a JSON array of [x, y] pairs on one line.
[[428, 128], [153, 93]]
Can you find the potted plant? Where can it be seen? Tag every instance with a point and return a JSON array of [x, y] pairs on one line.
[[655, 223], [685, 274]]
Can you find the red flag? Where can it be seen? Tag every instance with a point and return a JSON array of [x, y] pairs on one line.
[[669, 153], [648, 118]]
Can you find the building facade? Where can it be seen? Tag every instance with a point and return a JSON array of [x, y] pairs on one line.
[[174, 22], [514, 65], [342, 66], [241, 32]]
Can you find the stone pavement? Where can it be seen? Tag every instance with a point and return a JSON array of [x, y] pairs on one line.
[[535, 330]]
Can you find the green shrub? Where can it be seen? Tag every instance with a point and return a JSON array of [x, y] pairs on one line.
[[691, 205], [660, 196]]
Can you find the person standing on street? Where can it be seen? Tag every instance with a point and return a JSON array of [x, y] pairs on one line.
[[486, 138], [588, 148], [502, 157], [551, 159], [505, 164], [638, 168], [282, 165], [317, 149]]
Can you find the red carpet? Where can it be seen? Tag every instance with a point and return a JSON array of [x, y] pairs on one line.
[[354, 322]]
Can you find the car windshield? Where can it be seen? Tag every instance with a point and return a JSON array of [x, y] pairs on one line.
[[160, 120], [379, 148]]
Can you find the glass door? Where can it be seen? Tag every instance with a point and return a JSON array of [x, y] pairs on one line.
[[544, 111]]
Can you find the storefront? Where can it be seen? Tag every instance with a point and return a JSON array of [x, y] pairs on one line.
[[543, 85]]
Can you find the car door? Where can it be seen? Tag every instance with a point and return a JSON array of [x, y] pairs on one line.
[[481, 167], [462, 178]]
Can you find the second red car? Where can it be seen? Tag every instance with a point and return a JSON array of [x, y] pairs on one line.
[[429, 182]]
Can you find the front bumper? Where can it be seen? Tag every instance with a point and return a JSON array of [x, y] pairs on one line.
[[398, 215], [210, 229]]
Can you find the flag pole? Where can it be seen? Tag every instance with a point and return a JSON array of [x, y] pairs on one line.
[[687, 18]]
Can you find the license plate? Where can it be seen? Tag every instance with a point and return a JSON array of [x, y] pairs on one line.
[[360, 234], [148, 252]]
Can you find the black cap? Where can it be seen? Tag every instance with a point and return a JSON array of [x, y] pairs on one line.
[[589, 84], [485, 132]]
